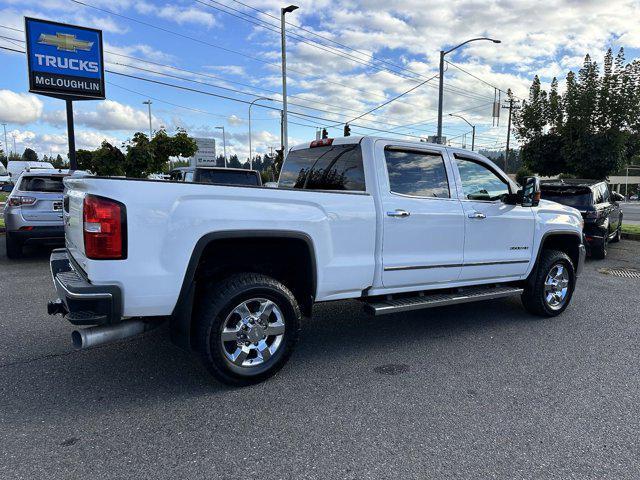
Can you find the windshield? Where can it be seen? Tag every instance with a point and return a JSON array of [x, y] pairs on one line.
[[571, 198], [226, 177], [42, 184]]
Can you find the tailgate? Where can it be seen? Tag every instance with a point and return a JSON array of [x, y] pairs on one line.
[[47, 208], [74, 194]]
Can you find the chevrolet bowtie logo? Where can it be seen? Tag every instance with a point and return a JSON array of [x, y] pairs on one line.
[[65, 42]]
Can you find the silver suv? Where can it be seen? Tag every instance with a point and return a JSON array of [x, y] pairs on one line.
[[33, 210]]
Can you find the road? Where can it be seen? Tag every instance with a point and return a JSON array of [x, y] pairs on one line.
[[470, 391], [631, 212]]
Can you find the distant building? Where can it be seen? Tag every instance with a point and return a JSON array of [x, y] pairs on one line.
[[205, 156]]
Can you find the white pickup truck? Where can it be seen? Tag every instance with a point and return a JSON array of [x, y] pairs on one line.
[[398, 225]]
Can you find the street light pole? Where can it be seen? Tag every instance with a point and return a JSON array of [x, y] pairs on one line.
[[6, 145], [285, 129], [250, 150], [473, 130], [224, 145], [441, 83], [148, 103]]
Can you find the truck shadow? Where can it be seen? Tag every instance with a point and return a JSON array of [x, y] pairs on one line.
[[339, 340]]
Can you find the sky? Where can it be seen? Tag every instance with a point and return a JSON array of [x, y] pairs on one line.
[[344, 58]]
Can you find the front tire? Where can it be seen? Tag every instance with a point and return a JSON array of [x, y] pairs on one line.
[[550, 287], [247, 327], [600, 252], [14, 247]]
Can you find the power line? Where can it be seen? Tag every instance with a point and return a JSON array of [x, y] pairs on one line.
[[476, 77], [328, 39]]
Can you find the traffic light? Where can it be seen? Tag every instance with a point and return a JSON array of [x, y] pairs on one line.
[[325, 134], [347, 130]]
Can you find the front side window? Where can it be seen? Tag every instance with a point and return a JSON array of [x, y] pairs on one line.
[[605, 193], [479, 182], [419, 174], [331, 167]]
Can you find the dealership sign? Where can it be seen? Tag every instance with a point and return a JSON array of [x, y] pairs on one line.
[[64, 61]]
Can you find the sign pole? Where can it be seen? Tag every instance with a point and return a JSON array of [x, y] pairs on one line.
[[73, 164]]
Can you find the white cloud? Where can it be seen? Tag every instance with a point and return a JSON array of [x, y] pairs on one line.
[[115, 116], [182, 15], [235, 120], [20, 108]]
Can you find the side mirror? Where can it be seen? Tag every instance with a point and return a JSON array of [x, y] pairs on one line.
[[531, 192], [617, 197]]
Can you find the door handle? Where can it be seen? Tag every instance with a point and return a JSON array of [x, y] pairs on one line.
[[398, 213], [477, 215]]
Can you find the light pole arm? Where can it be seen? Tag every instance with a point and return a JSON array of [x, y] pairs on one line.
[[465, 120], [469, 41]]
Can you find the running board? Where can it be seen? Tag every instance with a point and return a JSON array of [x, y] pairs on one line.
[[430, 300]]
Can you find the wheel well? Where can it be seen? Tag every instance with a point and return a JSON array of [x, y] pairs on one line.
[[288, 260], [565, 242]]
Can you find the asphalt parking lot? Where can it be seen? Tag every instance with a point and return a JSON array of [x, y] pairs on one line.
[[475, 391]]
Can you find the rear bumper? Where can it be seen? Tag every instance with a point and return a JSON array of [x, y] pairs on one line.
[[81, 302], [40, 235]]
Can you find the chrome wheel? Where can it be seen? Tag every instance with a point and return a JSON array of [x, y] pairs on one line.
[[252, 333], [556, 286]]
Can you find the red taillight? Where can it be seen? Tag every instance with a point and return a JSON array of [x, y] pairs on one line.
[[104, 228], [321, 143], [17, 201]]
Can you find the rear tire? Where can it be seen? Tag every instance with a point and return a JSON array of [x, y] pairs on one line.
[[229, 324], [550, 286], [14, 247]]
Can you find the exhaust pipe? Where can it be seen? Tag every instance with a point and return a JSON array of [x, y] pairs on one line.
[[92, 336]]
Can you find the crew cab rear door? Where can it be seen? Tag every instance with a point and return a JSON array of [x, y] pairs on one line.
[[422, 220], [498, 237]]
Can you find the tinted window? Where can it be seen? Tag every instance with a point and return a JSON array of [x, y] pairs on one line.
[[480, 183], [333, 167], [570, 197], [228, 177], [597, 195], [605, 192], [418, 174], [42, 184]]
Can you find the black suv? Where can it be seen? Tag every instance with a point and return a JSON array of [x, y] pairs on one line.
[[598, 205]]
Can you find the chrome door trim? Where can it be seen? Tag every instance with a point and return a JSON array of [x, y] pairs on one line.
[[454, 265]]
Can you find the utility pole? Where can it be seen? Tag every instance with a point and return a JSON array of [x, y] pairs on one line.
[[285, 133], [14, 143], [148, 103], [511, 108]]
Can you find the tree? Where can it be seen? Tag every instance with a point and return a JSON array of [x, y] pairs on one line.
[[58, 162], [590, 130], [234, 162], [84, 159], [108, 161], [3, 158], [29, 155]]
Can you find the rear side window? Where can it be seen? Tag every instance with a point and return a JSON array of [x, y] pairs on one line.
[[42, 184], [331, 167], [419, 174]]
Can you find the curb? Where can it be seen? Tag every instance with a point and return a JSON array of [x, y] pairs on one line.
[[631, 236]]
